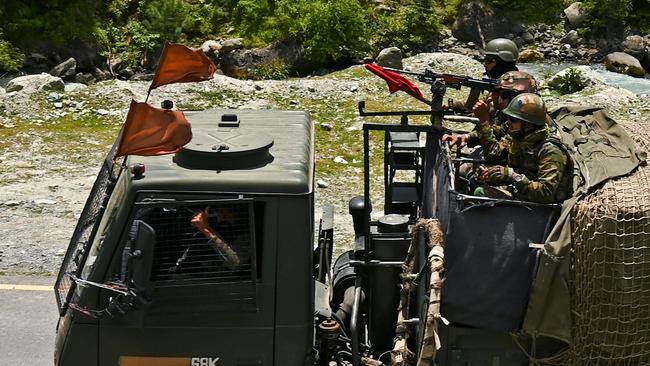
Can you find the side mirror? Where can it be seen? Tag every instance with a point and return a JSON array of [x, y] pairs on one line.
[[142, 240]]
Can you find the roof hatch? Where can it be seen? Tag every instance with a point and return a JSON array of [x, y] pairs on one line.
[[226, 147]]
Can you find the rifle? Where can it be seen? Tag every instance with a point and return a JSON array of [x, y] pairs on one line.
[[477, 86]]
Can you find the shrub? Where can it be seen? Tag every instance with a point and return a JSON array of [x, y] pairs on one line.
[[409, 27], [165, 18], [11, 59], [570, 82], [330, 30]]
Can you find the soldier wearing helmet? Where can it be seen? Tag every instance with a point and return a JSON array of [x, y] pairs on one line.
[[538, 166], [501, 56], [509, 85]]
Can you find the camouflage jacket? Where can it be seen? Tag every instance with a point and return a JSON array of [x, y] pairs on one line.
[[539, 158], [498, 125]]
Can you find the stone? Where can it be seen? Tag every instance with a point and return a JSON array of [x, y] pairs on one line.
[[625, 64], [102, 112], [231, 45], [65, 70], [45, 201], [322, 184], [384, 9], [527, 37], [311, 89], [71, 87], [635, 46], [340, 160], [326, 127], [572, 38], [58, 105], [11, 203], [99, 74], [32, 83], [575, 15], [390, 57], [472, 15], [530, 55]]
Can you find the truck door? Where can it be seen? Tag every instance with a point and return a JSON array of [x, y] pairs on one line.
[[210, 302]]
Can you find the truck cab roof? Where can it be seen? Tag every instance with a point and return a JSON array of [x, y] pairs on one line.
[[242, 151]]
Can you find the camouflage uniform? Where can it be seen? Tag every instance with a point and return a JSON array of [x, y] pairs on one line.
[[542, 171]]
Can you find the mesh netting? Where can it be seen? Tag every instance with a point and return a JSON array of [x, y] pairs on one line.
[[83, 234], [610, 270]]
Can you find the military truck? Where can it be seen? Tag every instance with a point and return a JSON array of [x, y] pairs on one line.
[[141, 283]]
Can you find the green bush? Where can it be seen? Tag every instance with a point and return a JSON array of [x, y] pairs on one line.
[[249, 16], [410, 27], [11, 59], [570, 82], [165, 18], [330, 30], [609, 15]]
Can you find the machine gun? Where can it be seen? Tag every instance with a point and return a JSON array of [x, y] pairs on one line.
[[477, 86]]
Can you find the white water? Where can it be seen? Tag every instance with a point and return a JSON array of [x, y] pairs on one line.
[[640, 86]]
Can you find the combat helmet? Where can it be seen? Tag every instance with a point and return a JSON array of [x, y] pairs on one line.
[[517, 81], [527, 107], [503, 48]]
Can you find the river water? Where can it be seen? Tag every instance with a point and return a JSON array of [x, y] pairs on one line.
[[639, 86]]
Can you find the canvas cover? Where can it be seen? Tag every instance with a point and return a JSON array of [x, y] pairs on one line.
[[601, 150]]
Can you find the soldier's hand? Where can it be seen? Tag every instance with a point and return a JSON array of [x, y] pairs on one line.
[[456, 140], [482, 111], [201, 221], [497, 174]]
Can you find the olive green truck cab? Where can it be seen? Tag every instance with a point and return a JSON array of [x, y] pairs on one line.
[[140, 285]]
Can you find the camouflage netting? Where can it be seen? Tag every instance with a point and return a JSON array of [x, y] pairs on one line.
[[610, 270]]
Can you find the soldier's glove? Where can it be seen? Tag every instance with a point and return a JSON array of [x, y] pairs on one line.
[[498, 174]]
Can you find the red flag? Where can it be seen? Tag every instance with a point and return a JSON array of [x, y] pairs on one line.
[[181, 64], [153, 131], [397, 82]]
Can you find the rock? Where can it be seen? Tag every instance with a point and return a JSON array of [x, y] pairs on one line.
[[99, 74], [384, 9], [527, 37], [635, 46], [575, 15], [258, 87], [53, 97], [60, 252], [390, 57], [86, 54], [231, 45], [243, 62], [71, 87], [625, 64], [588, 77], [571, 38], [474, 14], [326, 126], [45, 201], [322, 184], [125, 74], [58, 105], [11, 203], [139, 76], [32, 83], [530, 55], [65, 70], [211, 48], [84, 78], [340, 160], [102, 112], [450, 62], [311, 89], [35, 63]]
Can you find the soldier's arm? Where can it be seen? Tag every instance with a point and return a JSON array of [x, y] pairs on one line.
[[495, 150], [552, 162]]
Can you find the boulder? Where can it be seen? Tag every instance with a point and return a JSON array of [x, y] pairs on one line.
[[530, 55], [571, 38], [634, 46], [623, 63], [244, 62], [575, 15], [231, 44], [84, 78], [527, 36], [32, 83], [587, 77], [211, 48], [390, 57], [65, 70], [477, 22]]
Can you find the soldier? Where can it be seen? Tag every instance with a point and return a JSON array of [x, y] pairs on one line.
[[508, 86], [501, 55], [538, 167]]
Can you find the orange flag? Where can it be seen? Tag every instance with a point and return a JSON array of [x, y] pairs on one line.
[[153, 131], [181, 64]]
